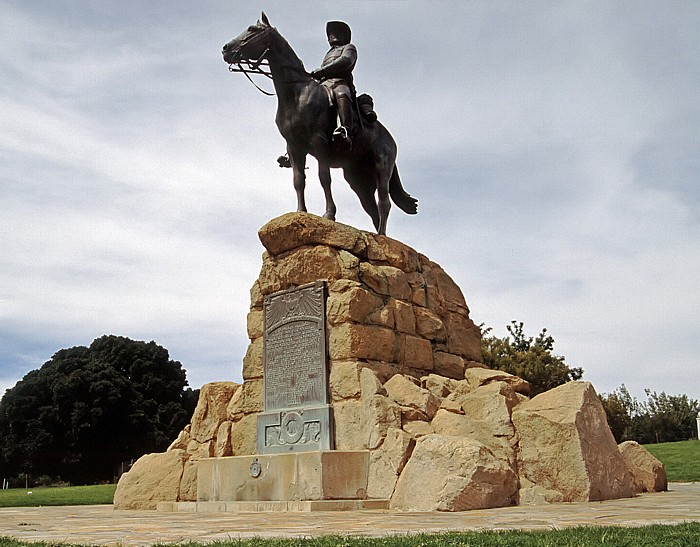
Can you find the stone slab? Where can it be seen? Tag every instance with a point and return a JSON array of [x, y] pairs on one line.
[[272, 506], [297, 476]]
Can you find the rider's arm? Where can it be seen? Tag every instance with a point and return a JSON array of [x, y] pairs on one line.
[[342, 65]]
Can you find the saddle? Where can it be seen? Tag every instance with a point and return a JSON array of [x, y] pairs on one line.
[[363, 105]]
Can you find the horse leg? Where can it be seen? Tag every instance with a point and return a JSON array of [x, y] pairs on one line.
[[383, 201], [365, 193], [298, 161], [324, 175]]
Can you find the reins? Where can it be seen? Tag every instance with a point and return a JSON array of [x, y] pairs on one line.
[[257, 67]]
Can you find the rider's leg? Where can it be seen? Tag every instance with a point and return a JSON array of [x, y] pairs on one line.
[[344, 103]]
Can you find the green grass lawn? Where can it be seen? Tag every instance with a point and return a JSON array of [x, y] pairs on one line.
[[681, 535], [681, 459], [69, 495]]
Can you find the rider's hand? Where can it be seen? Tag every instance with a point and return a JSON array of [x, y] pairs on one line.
[[317, 74]]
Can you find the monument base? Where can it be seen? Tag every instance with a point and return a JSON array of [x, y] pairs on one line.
[[280, 482]]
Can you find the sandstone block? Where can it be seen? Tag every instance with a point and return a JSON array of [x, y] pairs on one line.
[[254, 323], [566, 445], [223, 446], [492, 403], [352, 341], [153, 478], [417, 352], [437, 384], [370, 384], [380, 414], [448, 364], [463, 336], [385, 280], [451, 423], [188, 482], [344, 380], [397, 254], [429, 325], [244, 435], [648, 473], [447, 473], [200, 451], [353, 304], [417, 428], [451, 293], [251, 397], [533, 494], [182, 440], [350, 428], [478, 376], [233, 410], [309, 264], [294, 230], [253, 361], [417, 283], [404, 318], [406, 393], [211, 409], [387, 462]]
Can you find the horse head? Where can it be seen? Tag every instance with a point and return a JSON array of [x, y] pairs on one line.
[[251, 45]]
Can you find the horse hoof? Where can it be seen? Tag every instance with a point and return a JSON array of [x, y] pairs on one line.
[[329, 217]]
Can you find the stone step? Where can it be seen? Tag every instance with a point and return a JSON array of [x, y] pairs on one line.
[[306, 506]]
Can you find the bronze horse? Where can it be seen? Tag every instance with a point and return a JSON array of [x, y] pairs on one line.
[[306, 120]]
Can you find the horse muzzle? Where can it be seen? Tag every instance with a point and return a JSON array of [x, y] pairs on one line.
[[231, 52]]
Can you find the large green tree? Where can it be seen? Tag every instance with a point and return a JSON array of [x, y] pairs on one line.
[[532, 359], [89, 408]]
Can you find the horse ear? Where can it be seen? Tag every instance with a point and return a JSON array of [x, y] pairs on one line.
[[265, 20]]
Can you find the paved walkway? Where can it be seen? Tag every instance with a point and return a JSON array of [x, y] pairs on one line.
[[102, 525]]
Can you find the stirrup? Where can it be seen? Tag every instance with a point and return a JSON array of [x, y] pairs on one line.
[[341, 135]]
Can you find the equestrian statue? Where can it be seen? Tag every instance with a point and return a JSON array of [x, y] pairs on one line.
[[319, 113]]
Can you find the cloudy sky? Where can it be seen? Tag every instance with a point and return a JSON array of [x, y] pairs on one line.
[[554, 148]]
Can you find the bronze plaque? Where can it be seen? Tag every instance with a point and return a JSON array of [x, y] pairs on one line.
[[296, 373]]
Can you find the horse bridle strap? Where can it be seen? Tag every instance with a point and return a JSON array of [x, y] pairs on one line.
[[254, 67]]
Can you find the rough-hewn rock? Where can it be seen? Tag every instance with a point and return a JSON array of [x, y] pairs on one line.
[[153, 478], [406, 393], [477, 376], [566, 445], [380, 413], [387, 462], [447, 473], [492, 403], [211, 409], [648, 473]]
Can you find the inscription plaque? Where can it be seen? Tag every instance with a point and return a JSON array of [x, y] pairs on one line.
[[297, 413]]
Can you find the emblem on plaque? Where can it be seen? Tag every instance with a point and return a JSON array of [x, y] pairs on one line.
[[255, 469]]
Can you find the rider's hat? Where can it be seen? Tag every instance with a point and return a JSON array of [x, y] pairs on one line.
[[340, 29]]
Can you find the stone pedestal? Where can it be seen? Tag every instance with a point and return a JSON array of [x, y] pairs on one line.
[[298, 481]]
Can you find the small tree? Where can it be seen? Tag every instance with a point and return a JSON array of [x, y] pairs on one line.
[[529, 358], [662, 418], [620, 407]]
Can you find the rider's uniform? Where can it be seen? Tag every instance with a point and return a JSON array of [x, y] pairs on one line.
[[337, 69]]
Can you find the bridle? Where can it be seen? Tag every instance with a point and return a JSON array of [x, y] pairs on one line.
[[250, 66]]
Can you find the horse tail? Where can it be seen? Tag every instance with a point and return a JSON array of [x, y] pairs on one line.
[[404, 201]]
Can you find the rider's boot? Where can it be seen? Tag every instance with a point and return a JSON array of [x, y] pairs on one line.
[[342, 133]]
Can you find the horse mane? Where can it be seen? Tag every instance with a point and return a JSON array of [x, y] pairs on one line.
[[287, 50]]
